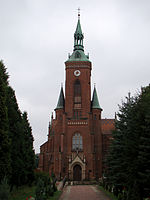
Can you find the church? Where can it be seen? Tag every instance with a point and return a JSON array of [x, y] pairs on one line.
[[78, 137]]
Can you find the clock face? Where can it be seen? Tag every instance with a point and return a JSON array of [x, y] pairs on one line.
[[77, 72]]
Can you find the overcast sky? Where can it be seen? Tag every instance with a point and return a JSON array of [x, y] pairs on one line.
[[37, 35]]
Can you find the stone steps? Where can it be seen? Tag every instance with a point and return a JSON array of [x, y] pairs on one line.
[[81, 182]]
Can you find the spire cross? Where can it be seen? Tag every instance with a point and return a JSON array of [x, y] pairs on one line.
[[78, 13]]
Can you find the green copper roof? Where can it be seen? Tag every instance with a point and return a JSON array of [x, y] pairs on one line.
[[95, 102], [61, 100], [78, 52], [78, 55], [78, 29], [78, 38]]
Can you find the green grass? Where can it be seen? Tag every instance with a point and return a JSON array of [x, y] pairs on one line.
[[109, 194], [25, 191], [22, 193]]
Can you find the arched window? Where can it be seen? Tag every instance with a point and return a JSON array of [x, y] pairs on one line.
[[77, 142], [77, 94], [77, 88], [95, 117]]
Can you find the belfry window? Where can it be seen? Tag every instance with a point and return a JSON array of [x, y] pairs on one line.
[[77, 94], [77, 142]]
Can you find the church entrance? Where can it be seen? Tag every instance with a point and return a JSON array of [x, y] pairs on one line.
[[77, 173]]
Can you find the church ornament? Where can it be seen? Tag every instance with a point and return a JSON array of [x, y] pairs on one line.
[[77, 72]]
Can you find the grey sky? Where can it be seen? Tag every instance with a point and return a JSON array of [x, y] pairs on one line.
[[37, 35]]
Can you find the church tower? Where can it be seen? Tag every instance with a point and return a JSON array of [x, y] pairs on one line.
[[74, 146]]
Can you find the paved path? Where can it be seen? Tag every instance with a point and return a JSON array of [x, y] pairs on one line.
[[83, 192]]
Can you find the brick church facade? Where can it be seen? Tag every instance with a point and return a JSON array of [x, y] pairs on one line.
[[78, 138]]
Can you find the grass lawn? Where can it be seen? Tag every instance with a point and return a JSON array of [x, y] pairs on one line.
[[25, 191], [109, 194], [22, 193]]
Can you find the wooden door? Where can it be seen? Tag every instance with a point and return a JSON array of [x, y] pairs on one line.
[[77, 173]]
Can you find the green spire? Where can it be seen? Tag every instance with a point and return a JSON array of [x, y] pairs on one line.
[[78, 52], [95, 102], [78, 36], [61, 100]]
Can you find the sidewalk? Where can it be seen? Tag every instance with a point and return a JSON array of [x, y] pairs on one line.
[[83, 192]]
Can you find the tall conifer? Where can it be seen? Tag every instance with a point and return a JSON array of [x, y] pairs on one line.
[[28, 154], [144, 144], [4, 139], [128, 163], [17, 139]]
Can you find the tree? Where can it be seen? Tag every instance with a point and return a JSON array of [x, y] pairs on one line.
[[17, 139], [28, 154], [36, 160], [128, 163], [5, 167], [22, 152], [4, 189], [144, 146]]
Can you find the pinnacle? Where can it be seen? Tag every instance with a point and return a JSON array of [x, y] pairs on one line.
[[95, 101]]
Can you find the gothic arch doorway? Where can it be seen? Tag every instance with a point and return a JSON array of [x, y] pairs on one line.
[[77, 173]]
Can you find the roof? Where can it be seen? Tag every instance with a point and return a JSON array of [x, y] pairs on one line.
[[78, 52], [78, 29], [107, 125], [95, 101], [61, 100], [78, 55]]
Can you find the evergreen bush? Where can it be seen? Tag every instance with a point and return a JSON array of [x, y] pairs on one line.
[[4, 190], [40, 193], [49, 183]]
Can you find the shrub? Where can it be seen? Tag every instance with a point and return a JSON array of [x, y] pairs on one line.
[[40, 193], [41, 175], [48, 182], [4, 189]]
